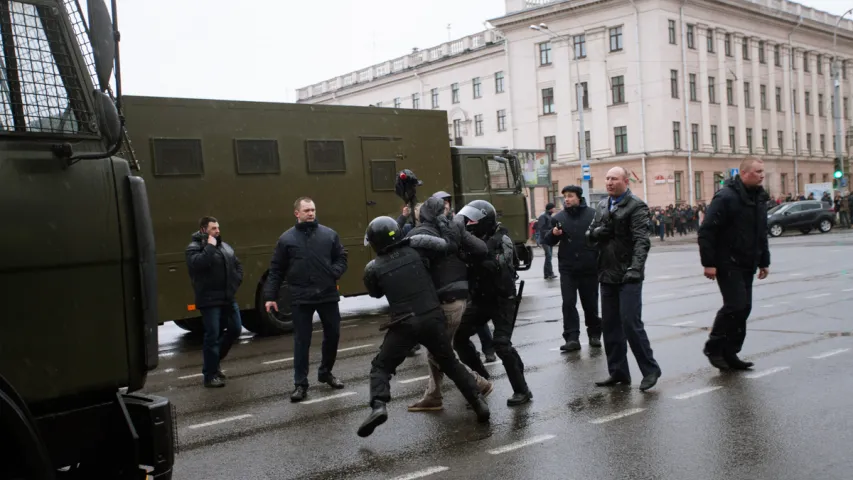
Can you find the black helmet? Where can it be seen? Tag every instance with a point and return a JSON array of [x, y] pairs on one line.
[[483, 214], [381, 233], [442, 195]]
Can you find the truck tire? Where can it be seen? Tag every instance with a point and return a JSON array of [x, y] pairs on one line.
[[28, 454], [192, 325], [270, 324]]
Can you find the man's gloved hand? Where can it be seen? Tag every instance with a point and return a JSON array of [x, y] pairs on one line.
[[603, 232], [632, 276]]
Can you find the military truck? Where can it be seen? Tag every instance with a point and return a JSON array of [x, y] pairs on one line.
[[246, 162], [78, 325]]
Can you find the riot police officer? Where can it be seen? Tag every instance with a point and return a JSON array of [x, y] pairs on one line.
[[493, 297], [400, 274]]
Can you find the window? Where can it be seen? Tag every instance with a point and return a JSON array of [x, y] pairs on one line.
[[500, 175], [727, 41], [745, 48], [551, 147], [547, 101], [672, 35], [697, 185], [749, 139], [806, 61], [747, 101], [714, 138], [732, 139], [820, 109], [832, 105], [761, 57], [454, 93], [784, 179], [712, 90], [812, 178], [797, 143], [692, 87], [580, 46], [694, 137], [586, 143], [823, 144], [690, 39], [673, 83], [678, 182], [383, 175], [765, 142], [825, 177], [730, 94], [710, 37], [617, 89], [780, 140], [545, 53], [457, 132], [620, 135], [809, 143], [555, 189], [763, 93], [615, 39], [808, 103], [777, 56], [397, 102], [475, 83], [416, 100], [326, 156], [820, 64], [718, 180], [793, 56], [256, 156], [778, 99], [499, 82], [794, 99], [501, 120], [846, 109], [478, 125], [676, 135], [434, 98], [585, 94], [173, 156]]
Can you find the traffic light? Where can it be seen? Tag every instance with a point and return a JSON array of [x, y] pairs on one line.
[[838, 172]]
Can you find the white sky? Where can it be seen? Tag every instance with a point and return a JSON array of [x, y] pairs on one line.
[[265, 49]]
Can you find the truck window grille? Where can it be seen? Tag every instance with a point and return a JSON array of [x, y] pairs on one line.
[[326, 156], [256, 156], [175, 156]]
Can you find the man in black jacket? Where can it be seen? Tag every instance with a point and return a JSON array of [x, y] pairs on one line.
[[732, 246], [311, 259], [439, 241], [216, 274], [576, 262], [620, 232], [398, 272], [543, 226]]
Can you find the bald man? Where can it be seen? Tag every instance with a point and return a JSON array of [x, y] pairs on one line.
[[620, 233], [732, 247]]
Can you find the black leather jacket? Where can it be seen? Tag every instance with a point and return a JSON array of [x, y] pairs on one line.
[[624, 243], [215, 271]]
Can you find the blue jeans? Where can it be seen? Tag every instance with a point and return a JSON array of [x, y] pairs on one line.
[[549, 268], [219, 335], [303, 326], [622, 325]]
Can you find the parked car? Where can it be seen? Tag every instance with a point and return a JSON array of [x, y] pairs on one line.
[[803, 216]]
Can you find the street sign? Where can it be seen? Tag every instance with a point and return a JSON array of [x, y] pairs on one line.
[[734, 171], [587, 177], [843, 181]]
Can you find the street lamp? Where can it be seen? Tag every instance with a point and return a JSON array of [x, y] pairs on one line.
[[836, 66], [542, 27]]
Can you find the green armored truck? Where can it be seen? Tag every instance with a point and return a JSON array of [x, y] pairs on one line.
[[246, 162], [78, 323]]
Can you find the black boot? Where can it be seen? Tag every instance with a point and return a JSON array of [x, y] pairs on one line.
[[736, 363], [571, 346], [481, 409], [614, 380], [716, 359], [377, 417], [519, 398], [299, 393], [595, 340]]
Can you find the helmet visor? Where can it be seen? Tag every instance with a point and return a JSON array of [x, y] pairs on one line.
[[471, 213]]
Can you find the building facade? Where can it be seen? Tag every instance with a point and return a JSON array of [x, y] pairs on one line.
[[677, 92]]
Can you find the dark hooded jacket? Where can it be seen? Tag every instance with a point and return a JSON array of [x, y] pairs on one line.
[[439, 241], [734, 232], [627, 246], [215, 271], [576, 256]]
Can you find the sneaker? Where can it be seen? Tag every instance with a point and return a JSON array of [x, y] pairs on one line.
[[426, 405], [299, 394], [214, 382]]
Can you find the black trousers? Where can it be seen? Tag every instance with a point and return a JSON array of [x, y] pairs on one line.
[[429, 331], [622, 320], [572, 284], [729, 330], [501, 311], [303, 326]]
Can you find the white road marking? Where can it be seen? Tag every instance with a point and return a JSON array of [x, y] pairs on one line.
[[243, 342], [521, 444], [416, 379], [767, 306], [818, 295], [617, 415], [697, 290], [662, 296], [796, 274], [663, 277], [330, 397], [354, 348], [161, 372], [278, 361], [848, 290], [195, 375], [696, 393], [167, 354], [830, 353], [496, 362], [422, 473], [681, 324], [769, 371], [217, 422], [371, 323], [348, 326]]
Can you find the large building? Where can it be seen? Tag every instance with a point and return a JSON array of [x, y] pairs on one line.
[[678, 92]]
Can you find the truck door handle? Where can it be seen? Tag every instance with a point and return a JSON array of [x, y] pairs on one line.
[[371, 203]]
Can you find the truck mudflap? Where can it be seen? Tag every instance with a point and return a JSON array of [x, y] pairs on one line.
[[523, 257], [156, 427]]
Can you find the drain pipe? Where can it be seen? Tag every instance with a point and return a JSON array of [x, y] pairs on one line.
[[686, 105], [793, 104], [640, 92]]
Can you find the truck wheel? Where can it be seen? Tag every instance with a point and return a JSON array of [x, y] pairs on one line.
[[192, 325], [29, 458], [273, 323]]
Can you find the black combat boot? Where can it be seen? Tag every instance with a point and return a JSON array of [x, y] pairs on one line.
[[595, 340], [481, 409], [519, 398], [571, 346], [377, 417], [736, 363]]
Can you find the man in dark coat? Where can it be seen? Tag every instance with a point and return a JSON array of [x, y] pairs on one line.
[[216, 274], [311, 259], [543, 226], [576, 262], [619, 232], [732, 246]]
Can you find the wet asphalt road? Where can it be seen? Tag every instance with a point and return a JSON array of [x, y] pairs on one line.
[[789, 418]]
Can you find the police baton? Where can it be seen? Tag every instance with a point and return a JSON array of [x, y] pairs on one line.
[[518, 300]]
